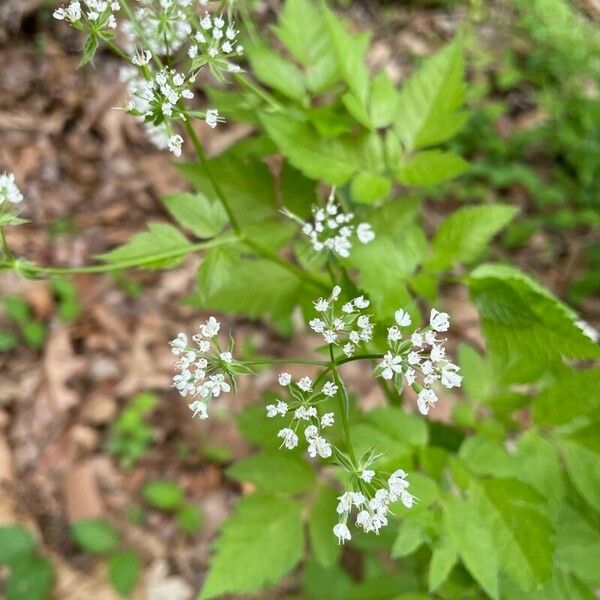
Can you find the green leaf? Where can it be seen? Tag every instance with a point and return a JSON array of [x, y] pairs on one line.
[[15, 543], [30, 579], [94, 535], [430, 99], [516, 515], [581, 388], [333, 161], [197, 213], [442, 561], [581, 453], [257, 429], [406, 427], [320, 583], [473, 543], [89, 49], [245, 180], [162, 246], [302, 29], [466, 234], [322, 518], [275, 71], [411, 535], [123, 572], [163, 494], [478, 374], [350, 51], [431, 167], [260, 544], [367, 188], [224, 281], [486, 457], [527, 329], [274, 473], [384, 101], [189, 518]]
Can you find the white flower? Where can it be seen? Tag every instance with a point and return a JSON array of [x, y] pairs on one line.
[[402, 318], [179, 344], [330, 336], [217, 384], [327, 420], [212, 117], [200, 409], [439, 321], [226, 357], [319, 446], [290, 439], [321, 305], [175, 144], [284, 379], [280, 409], [341, 532], [311, 432], [211, 328], [348, 349], [9, 192], [416, 339], [72, 13], [141, 58], [450, 376], [305, 384], [425, 400], [271, 410], [361, 302], [437, 353], [330, 389], [304, 413], [410, 376], [394, 334], [413, 358], [365, 233], [317, 325], [390, 364], [367, 475]]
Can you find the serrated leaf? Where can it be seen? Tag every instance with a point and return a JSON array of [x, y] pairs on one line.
[[383, 105], [197, 213], [94, 535], [443, 559], [582, 388], [527, 329], [581, 453], [224, 280], [123, 572], [245, 180], [162, 246], [350, 51], [367, 187], [302, 29], [274, 472], [331, 160], [473, 543], [275, 71], [431, 167], [522, 532], [466, 233], [411, 535], [260, 544], [430, 99], [322, 518]]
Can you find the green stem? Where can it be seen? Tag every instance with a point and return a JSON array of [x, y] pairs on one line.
[[116, 50], [252, 87], [130, 263], [344, 405], [357, 357], [286, 361], [267, 254]]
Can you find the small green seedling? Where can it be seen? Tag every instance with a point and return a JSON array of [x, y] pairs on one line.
[[169, 497], [31, 331]]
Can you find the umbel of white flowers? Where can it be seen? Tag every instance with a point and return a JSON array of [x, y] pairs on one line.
[[9, 192], [158, 96]]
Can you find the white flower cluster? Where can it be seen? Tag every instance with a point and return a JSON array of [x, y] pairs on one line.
[[332, 229], [9, 192], [303, 408], [214, 43], [349, 327], [156, 100], [99, 14], [205, 370], [423, 356], [372, 504]]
